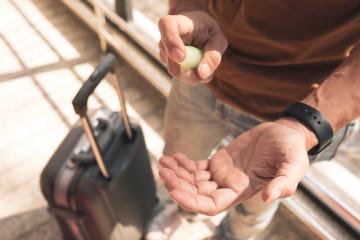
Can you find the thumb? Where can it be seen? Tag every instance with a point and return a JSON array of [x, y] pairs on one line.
[[213, 50], [285, 182]]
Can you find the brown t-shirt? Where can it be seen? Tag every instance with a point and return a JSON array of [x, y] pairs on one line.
[[280, 50]]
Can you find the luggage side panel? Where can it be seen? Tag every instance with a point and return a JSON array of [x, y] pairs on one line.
[[57, 161], [124, 202]]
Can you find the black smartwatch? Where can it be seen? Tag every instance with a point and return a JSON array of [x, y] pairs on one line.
[[315, 121]]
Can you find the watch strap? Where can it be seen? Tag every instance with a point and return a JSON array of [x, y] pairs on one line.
[[315, 121]]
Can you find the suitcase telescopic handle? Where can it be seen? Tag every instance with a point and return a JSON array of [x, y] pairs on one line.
[[105, 66], [80, 101]]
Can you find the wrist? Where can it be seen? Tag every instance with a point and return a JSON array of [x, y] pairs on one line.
[[315, 121], [309, 136]]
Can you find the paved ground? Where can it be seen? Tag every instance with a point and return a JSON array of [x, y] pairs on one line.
[[46, 53]]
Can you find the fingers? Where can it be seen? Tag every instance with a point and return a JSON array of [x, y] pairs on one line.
[[212, 204], [203, 165], [213, 51], [186, 169], [185, 162], [179, 171], [173, 182], [185, 74], [169, 178], [202, 74], [206, 187], [199, 29], [202, 176], [191, 185], [162, 52], [198, 170], [182, 173], [170, 37]]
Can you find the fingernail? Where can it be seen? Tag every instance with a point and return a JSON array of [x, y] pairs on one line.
[[205, 70], [275, 195], [177, 54]]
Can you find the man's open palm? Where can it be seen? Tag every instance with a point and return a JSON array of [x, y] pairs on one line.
[[271, 157]]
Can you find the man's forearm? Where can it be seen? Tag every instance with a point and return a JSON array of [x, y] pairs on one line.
[[176, 6], [338, 98]]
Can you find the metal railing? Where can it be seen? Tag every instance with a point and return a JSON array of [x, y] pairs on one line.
[[124, 38]]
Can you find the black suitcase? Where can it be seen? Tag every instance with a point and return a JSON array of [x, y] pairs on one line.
[[99, 184]]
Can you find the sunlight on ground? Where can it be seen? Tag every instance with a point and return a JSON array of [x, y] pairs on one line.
[[40, 73], [30, 37]]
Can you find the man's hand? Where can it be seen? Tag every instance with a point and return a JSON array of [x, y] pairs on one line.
[[196, 28], [271, 157]]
